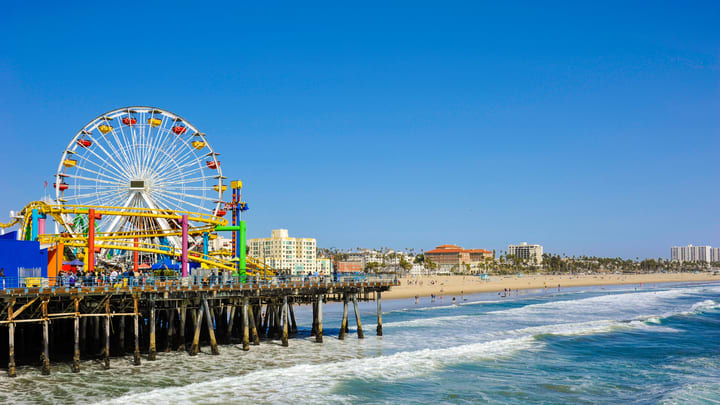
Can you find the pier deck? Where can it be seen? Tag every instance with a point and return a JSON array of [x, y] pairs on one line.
[[65, 324]]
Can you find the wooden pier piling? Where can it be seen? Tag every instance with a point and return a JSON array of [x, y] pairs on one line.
[[313, 329], [151, 325], [183, 313], [230, 324], [344, 321], [45, 358], [76, 334], [170, 329], [121, 335], [253, 329], [357, 318], [106, 359], [379, 313], [211, 328], [285, 322], [293, 325], [136, 329], [319, 330], [11, 340], [245, 324], [195, 347]]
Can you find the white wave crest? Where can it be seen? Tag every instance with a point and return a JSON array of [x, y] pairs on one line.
[[704, 306], [314, 383]]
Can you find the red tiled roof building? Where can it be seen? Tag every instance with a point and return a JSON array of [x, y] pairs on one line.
[[450, 255]]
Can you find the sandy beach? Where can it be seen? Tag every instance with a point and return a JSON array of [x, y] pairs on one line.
[[449, 286]]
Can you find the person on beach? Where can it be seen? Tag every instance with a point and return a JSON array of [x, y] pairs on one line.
[[2, 274]]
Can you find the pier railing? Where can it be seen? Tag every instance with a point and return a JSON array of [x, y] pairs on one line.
[[67, 283]]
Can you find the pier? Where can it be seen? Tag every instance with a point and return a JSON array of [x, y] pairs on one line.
[[66, 324]]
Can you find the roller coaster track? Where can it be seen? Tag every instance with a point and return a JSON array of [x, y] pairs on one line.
[[199, 224]]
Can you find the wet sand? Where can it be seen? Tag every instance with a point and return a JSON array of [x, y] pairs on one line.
[[448, 286]]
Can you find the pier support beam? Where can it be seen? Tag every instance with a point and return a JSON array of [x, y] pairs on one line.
[[76, 334], [245, 325], [96, 344], [293, 324], [107, 335], [231, 323], [170, 329], [379, 313], [11, 341], [313, 330], [83, 334], [11, 350], [285, 322], [151, 347], [45, 357], [121, 336], [211, 329], [183, 316], [195, 346], [265, 320], [344, 321], [319, 331], [136, 330], [357, 317], [253, 328]]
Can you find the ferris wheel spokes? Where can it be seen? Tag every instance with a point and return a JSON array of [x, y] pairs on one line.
[[140, 157]]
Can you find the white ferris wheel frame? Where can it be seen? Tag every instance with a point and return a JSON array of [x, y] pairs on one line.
[[141, 152]]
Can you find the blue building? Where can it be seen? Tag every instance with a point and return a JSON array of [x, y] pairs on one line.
[[20, 259]]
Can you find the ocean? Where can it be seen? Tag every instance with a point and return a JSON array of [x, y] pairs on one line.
[[615, 344]]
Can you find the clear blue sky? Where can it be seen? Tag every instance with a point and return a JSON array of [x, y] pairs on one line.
[[591, 129]]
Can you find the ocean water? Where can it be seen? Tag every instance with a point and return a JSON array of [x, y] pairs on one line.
[[624, 344]]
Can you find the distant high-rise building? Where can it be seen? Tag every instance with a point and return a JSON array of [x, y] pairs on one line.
[[715, 255], [691, 253], [528, 252]]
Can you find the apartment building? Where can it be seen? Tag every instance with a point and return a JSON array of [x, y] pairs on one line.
[[290, 255], [532, 253], [692, 253]]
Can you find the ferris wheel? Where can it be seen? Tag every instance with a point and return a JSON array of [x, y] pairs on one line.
[[139, 157]]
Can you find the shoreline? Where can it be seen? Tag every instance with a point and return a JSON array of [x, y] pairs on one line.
[[447, 286]]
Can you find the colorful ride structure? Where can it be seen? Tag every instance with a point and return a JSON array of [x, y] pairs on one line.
[[135, 186]]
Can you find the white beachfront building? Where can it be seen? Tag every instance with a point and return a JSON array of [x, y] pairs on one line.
[[533, 253], [692, 253]]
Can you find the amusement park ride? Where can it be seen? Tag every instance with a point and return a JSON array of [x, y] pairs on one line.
[[138, 186]]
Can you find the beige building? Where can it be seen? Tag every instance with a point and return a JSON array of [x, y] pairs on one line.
[[290, 255], [532, 253], [447, 256], [324, 266]]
